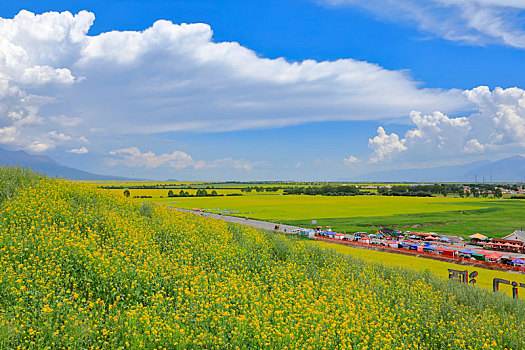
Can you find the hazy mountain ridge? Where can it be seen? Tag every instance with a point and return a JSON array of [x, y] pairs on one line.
[[511, 169], [50, 167]]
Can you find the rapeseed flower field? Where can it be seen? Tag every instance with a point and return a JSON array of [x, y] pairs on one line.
[[82, 268]]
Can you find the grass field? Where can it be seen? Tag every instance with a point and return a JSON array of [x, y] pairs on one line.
[[439, 268], [447, 215], [81, 268], [300, 207]]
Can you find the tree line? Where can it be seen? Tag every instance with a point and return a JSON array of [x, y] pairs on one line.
[[326, 190]]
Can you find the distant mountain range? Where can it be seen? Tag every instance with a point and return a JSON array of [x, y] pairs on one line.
[[49, 167], [511, 169]]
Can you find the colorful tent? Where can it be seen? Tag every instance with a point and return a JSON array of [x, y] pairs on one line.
[[518, 261], [480, 257], [478, 236], [441, 249], [468, 251], [493, 256]]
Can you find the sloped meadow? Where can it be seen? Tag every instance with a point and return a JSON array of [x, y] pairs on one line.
[[82, 268]]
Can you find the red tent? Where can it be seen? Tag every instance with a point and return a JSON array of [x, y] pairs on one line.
[[441, 249], [446, 251], [493, 256]]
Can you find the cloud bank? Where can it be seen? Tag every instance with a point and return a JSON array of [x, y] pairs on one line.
[[477, 22], [133, 157], [497, 128], [55, 79]]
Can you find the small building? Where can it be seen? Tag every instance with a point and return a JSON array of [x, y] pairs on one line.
[[517, 235], [505, 244]]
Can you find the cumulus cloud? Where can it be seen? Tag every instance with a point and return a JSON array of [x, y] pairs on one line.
[[351, 160], [385, 146], [477, 22], [81, 150], [173, 77], [59, 136], [133, 157], [498, 126]]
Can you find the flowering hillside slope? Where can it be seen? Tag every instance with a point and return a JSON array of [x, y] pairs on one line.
[[80, 268]]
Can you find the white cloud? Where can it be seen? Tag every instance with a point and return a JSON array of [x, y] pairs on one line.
[[175, 77], [82, 150], [58, 136], [8, 134], [477, 22], [351, 160], [473, 146], [133, 157], [39, 147], [498, 127], [385, 146]]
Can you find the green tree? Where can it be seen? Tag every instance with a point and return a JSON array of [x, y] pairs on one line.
[[214, 193], [170, 193], [201, 193], [126, 193]]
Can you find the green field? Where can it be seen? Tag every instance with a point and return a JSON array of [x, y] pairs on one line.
[[447, 215], [300, 207]]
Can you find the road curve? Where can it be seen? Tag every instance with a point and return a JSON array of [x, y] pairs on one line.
[[288, 228], [243, 221]]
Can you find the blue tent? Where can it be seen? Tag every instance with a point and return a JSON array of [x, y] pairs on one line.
[[414, 246], [518, 261], [402, 245], [444, 239], [468, 251], [429, 247]]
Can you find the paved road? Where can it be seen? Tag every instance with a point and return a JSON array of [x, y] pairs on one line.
[[248, 222], [287, 228]]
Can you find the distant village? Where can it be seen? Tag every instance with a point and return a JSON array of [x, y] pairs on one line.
[[462, 190]]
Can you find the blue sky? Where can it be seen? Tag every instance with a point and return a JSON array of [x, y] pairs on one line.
[[178, 103]]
